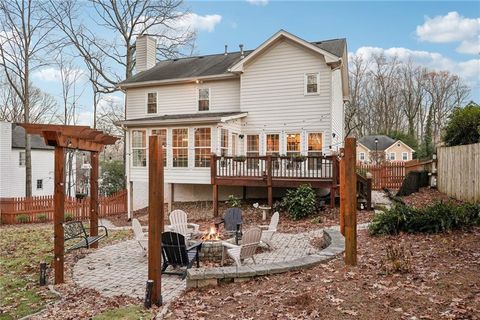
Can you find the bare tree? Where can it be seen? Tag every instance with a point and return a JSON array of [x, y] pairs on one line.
[[23, 37]]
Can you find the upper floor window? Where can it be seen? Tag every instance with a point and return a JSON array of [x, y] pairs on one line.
[[21, 158], [139, 148], [40, 184], [223, 142], [202, 147], [152, 102], [391, 156], [180, 147], [203, 99], [311, 83], [163, 140], [361, 156], [273, 144], [404, 156]]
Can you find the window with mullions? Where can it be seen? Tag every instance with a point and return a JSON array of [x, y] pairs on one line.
[[203, 99], [314, 150], [152, 102], [273, 144], [202, 147], [293, 144], [311, 83], [180, 147], [223, 142], [252, 150], [163, 140], [139, 148]]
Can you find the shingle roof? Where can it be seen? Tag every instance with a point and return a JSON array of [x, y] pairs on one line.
[[36, 141], [209, 65], [383, 142], [207, 116]]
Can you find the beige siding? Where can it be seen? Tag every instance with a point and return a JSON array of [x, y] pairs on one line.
[[399, 148], [360, 149], [182, 98], [272, 92]]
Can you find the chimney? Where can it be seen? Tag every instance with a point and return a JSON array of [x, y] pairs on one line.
[[241, 51], [146, 53], [226, 52]]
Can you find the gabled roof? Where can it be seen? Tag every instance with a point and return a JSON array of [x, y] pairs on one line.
[[190, 118], [219, 65], [282, 34], [36, 141], [383, 142]]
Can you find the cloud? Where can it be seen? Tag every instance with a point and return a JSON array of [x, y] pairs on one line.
[[200, 23], [452, 28], [84, 118], [258, 2], [51, 74], [467, 70]]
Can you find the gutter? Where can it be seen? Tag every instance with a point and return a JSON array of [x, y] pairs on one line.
[[223, 76]]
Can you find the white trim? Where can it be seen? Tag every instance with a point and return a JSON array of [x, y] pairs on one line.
[[176, 81], [305, 83], [390, 156], [146, 102], [195, 148], [139, 148], [238, 67], [404, 154], [308, 136], [361, 155]]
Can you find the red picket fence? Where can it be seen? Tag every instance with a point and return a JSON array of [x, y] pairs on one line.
[[385, 175], [40, 209]]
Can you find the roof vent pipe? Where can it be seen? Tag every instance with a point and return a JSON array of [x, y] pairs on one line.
[[241, 51], [226, 47]]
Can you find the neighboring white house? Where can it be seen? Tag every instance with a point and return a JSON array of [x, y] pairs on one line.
[[12, 163], [286, 97], [390, 149]]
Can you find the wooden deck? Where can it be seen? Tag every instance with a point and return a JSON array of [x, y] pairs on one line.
[[274, 171]]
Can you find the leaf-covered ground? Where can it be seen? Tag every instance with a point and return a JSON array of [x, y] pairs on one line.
[[440, 280]]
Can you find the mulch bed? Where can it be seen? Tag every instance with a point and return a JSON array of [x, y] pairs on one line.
[[427, 196], [442, 282]]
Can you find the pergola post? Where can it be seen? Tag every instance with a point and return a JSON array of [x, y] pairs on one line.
[[350, 205], [341, 167], [58, 214], [94, 196], [155, 216]]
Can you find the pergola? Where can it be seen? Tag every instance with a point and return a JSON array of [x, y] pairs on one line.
[[70, 137]]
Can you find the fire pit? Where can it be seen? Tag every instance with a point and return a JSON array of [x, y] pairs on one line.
[[212, 244]]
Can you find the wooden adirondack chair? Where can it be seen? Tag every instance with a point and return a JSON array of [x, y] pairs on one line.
[[232, 222], [178, 223], [269, 231], [175, 253], [250, 241], [139, 235]]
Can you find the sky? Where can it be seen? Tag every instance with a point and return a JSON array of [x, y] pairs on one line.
[[440, 35]]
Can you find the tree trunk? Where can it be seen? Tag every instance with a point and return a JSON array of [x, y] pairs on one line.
[[28, 150]]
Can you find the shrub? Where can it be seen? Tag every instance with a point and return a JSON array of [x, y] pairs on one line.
[[300, 202], [233, 202], [22, 218], [439, 217], [42, 217], [68, 217]]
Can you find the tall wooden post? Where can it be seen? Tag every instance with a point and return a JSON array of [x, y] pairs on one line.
[[155, 216], [269, 181], [341, 167], [58, 214], [213, 173], [350, 202], [94, 196]]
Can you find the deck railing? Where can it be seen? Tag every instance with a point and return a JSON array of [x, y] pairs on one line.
[[275, 167]]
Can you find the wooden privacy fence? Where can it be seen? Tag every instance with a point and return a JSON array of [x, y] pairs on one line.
[[385, 175], [40, 209], [458, 171]]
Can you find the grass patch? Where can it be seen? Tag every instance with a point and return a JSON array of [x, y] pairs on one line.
[[22, 249], [132, 312]]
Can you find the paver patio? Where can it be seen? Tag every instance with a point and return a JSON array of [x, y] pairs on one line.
[[121, 269]]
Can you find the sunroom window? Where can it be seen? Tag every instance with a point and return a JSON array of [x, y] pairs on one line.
[[202, 147], [180, 147], [139, 148]]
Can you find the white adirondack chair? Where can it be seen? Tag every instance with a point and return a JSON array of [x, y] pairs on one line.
[[179, 224], [139, 235], [269, 231], [250, 242]]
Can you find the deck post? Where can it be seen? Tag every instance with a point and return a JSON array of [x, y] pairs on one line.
[[94, 196], [58, 214], [333, 187], [350, 202], [341, 168], [369, 193], [269, 181], [213, 182], [155, 216]]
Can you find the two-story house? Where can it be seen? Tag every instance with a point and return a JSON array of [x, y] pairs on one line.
[[12, 164], [284, 99], [376, 148]]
